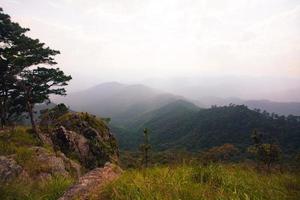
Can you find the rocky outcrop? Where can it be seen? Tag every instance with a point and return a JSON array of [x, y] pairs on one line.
[[51, 164], [89, 185], [9, 169], [41, 164], [85, 138]]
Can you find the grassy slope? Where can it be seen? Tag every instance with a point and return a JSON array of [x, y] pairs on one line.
[[210, 182], [18, 143]]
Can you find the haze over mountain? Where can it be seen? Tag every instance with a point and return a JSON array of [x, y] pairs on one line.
[[118, 101], [123, 102]]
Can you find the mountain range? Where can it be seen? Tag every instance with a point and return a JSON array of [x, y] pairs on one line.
[[177, 122]]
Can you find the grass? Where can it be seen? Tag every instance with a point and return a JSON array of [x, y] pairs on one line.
[[203, 182], [11, 140], [18, 143], [49, 189]]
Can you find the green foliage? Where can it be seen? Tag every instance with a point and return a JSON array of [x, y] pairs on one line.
[[202, 182], [48, 189], [73, 121], [22, 82], [176, 127], [268, 154], [48, 117], [145, 147]]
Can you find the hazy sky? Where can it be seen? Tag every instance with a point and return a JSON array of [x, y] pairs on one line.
[[132, 40]]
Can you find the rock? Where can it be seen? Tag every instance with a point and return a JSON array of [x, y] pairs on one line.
[[9, 169], [72, 167], [71, 143], [50, 164], [85, 138], [89, 185]]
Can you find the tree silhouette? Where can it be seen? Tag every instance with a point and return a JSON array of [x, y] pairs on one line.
[[145, 147]]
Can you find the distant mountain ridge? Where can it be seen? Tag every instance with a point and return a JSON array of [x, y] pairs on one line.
[[118, 101], [282, 108], [122, 101]]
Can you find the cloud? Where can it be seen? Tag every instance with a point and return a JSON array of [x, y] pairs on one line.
[[125, 39]]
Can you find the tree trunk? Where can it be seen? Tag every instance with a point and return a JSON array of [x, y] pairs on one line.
[[30, 112], [4, 108]]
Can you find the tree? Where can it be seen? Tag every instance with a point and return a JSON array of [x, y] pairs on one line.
[[36, 85], [10, 33], [17, 53], [145, 148], [266, 153]]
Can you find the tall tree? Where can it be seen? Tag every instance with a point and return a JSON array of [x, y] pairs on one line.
[[17, 53], [10, 33]]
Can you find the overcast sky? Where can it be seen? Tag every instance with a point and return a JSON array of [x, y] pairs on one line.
[[133, 40]]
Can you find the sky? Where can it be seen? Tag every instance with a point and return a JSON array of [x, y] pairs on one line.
[[166, 41]]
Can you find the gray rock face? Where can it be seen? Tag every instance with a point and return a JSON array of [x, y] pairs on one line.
[[85, 138], [85, 148], [71, 143], [9, 169]]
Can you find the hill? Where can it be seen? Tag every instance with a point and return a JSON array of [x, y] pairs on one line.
[[118, 101], [171, 115], [181, 125]]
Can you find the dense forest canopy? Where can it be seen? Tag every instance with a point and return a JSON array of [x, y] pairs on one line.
[[180, 126]]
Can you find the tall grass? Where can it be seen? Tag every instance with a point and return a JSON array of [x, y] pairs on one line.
[[48, 189], [203, 182]]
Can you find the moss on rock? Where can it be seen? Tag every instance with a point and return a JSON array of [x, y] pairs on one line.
[[86, 138]]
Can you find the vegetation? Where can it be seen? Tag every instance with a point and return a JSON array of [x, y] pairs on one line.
[[266, 153], [48, 117], [145, 148], [23, 82], [14, 141], [49, 189], [203, 182], [178, 127], [198, 153]]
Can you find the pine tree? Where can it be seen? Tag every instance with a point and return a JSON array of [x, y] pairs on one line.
[[17, 52], [36, 85], [145, 147]]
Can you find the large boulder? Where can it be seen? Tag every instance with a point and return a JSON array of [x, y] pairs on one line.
[[51, 164], [85, 138]]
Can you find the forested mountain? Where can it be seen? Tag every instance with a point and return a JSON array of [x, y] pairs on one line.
[[130, 134], [118, 101], [181, 125]]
